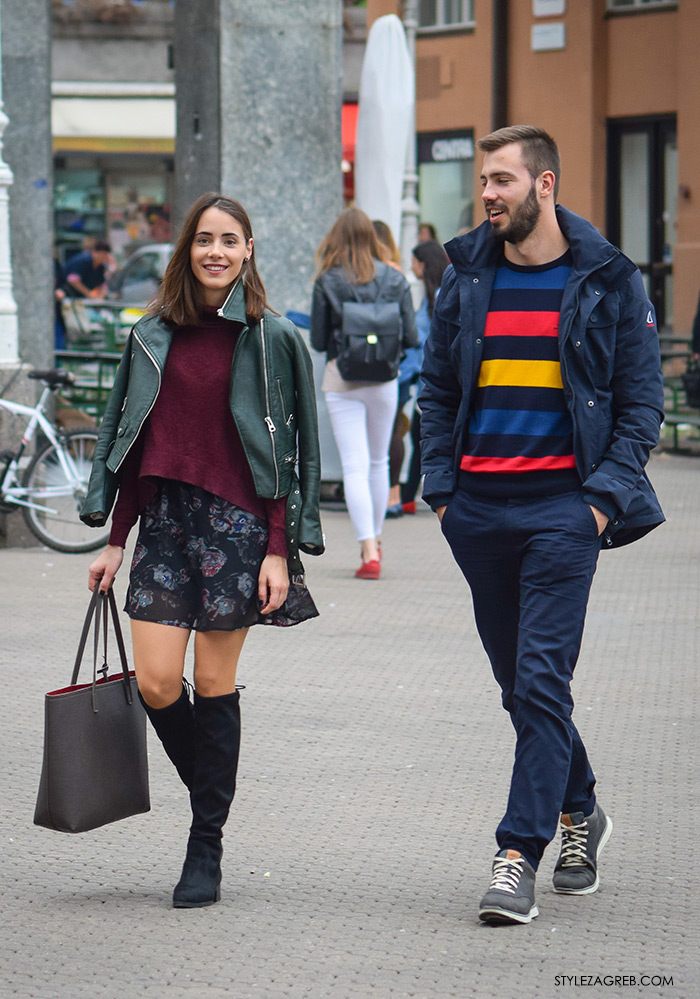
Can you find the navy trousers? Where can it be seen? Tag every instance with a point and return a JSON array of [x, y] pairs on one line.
[[530, 564]]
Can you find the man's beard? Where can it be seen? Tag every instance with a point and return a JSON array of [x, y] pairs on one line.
[[523, 222]]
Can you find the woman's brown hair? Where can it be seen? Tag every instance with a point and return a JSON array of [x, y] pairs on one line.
[[179, 298], [351, 244], [431, 254], [386, 237]]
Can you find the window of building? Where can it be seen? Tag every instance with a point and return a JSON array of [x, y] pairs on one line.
[[640, 4], [643, 201], [441, 15]]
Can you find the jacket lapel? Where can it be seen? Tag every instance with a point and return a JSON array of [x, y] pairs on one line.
[[156, 337], [234, 306]]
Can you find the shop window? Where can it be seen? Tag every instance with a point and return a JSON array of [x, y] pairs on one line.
[[616, 5], [138, 211], [446, 181], [443, 15], [79, 209], [124, 199]]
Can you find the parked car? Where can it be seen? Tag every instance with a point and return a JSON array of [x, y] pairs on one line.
[[137, 281]]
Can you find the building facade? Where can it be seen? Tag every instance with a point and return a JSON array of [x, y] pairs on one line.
[[614, 81], [114, 119], [113, 123]]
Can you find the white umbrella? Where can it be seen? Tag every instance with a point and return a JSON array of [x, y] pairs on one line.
[[384, 123]]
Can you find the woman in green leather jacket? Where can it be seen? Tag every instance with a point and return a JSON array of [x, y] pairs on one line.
[[211, 415]]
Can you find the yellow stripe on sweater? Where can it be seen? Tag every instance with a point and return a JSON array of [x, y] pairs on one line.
[[537, 374]]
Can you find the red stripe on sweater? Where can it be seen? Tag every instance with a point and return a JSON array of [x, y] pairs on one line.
[[522, 324], [469, 463]]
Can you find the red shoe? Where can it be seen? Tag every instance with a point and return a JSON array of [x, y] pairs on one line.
[[369, 570], [409, 507]]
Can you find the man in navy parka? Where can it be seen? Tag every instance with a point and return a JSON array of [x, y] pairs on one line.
[[542, 399]]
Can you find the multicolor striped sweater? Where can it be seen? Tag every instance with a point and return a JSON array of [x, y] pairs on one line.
[[520, 438]]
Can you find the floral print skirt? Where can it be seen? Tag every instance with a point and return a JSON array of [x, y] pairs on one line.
[[196, 565]]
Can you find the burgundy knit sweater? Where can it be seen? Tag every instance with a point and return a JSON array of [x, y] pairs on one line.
[[190, 434]]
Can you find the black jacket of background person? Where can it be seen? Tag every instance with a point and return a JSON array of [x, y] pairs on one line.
[[334, 287], [91, 276]]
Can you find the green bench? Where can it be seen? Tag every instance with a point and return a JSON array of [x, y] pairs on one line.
[[679, 421], [678, 415]]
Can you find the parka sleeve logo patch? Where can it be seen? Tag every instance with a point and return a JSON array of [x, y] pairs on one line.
[[650, 318]]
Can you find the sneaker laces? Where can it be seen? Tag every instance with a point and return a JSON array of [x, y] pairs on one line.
[[573, 845], [506, 874]]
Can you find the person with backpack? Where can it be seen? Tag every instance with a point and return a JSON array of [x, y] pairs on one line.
[[362, 318]]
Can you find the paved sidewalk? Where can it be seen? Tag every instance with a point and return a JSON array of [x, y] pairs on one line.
[[374, 770]]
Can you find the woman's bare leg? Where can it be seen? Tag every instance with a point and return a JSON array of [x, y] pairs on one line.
[[159, 661], [216, 655]]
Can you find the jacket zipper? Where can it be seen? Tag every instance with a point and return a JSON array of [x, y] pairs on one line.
[[268, 419], [151, 358]]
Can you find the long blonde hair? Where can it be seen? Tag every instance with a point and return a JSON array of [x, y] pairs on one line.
[[351, 244]]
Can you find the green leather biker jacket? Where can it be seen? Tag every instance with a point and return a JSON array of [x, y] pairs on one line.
[[273, 405]]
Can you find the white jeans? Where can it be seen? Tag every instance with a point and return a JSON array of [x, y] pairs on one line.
[[362, 421]]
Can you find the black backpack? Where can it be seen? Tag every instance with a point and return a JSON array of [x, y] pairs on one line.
[[369, 342]]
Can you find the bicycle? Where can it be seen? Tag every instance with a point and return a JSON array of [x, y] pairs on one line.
[[54, 483]]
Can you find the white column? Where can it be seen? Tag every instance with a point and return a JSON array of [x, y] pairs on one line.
[[8, 307], [410, 209]]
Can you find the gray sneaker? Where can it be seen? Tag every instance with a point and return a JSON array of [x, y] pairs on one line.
[[511, 894], [582, 839]]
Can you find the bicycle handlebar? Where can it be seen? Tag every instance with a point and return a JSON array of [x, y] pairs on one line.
[[53, 378]]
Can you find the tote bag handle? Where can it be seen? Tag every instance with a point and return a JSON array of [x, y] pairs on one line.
[[98, 609]]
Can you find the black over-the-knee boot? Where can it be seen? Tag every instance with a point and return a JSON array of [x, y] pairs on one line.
[[217, 742], [174, 726]]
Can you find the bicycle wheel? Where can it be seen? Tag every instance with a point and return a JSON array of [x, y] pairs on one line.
[[55, 519]]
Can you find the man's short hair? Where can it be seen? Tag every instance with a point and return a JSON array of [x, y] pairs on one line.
[[540, 151], [102, 246]]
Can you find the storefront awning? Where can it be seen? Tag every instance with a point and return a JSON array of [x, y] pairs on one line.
[[138, 124], [114, 124]]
